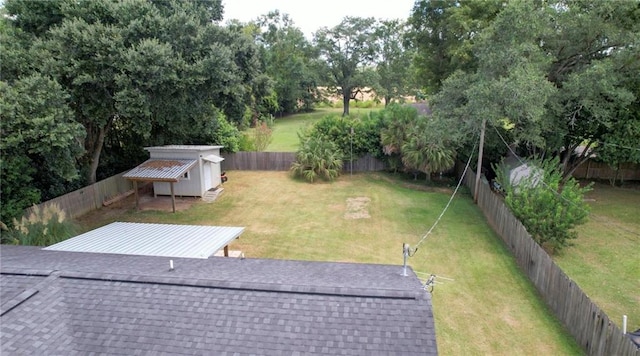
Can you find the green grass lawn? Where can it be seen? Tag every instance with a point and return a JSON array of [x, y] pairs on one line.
[[485, 307], [285, 131], [605, 258]]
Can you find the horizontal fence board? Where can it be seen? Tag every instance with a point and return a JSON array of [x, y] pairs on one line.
[[258, 161], [281, 161], [599, 170], [586, 322], [88, 198]]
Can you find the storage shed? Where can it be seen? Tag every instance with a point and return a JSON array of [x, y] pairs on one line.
[[519, 171], [202, 176], [183, 170]]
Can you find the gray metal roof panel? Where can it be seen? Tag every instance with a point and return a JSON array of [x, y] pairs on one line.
[[161, 169], [183, 148], [165, 240]]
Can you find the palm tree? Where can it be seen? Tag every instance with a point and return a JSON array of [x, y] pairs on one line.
[[427, 154], [397, 120], [317, 158]]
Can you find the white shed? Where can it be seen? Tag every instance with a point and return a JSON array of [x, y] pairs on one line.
[[519, 171], [183, 170], [196, 181]]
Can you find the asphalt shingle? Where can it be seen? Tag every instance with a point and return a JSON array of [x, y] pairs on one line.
[[118, 304]]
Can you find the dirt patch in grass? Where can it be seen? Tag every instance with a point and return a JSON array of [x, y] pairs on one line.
[[357, 208]]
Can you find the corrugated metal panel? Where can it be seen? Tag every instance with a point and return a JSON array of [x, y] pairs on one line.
[[161, 169], [183, 147], [213, 158], [166, 240]]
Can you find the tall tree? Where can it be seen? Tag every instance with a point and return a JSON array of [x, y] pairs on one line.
[[555, 74], [509, 87], [155, 72], [595, 49], [39, 142], [348, 49], [287, 57], [393, 64], [444, 33]]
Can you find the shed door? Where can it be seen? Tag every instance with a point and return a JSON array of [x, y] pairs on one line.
[[208, 179]]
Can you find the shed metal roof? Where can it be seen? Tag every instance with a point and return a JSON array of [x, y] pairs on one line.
[[168, 170], [183, 148], [165, 240]]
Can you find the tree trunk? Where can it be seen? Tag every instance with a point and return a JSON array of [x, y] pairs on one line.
[[95, 156], [95, 150], [346, 98], [568, 168]]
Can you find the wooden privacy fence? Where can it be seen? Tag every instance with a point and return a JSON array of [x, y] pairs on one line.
[[589, 325], [599, 170], [91, 197], [281, 161]]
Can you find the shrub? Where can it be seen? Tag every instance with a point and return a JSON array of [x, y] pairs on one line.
[[226, 134], [245, 142], [548, 210], [42, 227], [338, 129], [262, 135], [367, 104], [317, 158]]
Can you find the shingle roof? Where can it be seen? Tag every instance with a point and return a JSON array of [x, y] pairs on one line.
[[168, 170], [75, 303]]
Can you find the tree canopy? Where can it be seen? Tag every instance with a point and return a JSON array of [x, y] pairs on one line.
[[554, 75], [393, 63], [348, 50], [129, 74], [289, 61]]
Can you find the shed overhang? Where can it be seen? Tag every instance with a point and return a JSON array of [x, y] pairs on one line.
[[213, 158], [161, 170]]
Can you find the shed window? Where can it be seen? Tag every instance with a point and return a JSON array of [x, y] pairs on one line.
[[185, 176]]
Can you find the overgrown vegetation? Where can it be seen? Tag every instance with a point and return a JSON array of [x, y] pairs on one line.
[[415, 143], [257, 138], [547, 206], [43, 226]]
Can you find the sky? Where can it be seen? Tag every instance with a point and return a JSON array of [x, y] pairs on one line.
[[310, 15]]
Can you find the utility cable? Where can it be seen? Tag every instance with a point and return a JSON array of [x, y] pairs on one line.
[[415, 249]]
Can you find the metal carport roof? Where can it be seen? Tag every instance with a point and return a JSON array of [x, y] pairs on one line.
[[165, 240], [158, 170]]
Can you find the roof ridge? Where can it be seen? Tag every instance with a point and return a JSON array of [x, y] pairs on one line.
[[247, 286]]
